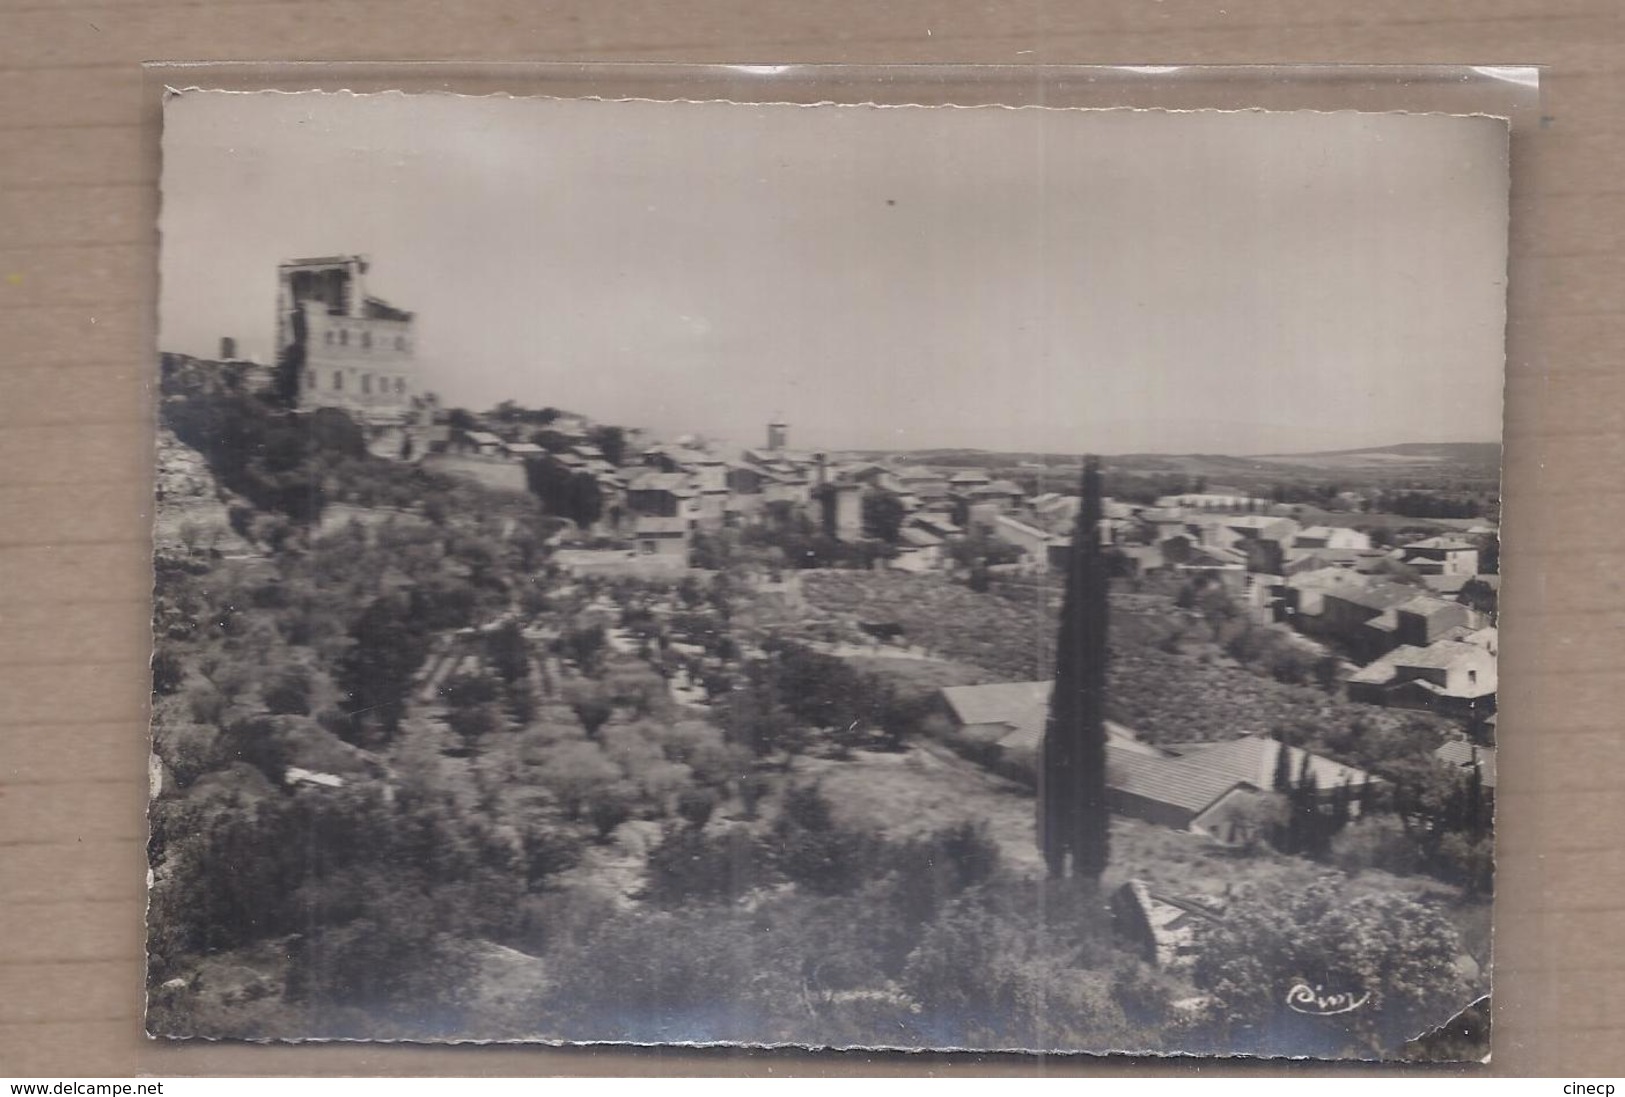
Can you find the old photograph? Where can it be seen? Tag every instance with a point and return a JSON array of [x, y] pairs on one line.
[[922, 577]]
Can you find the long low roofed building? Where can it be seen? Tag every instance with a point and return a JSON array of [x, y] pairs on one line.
[[1207, 787]]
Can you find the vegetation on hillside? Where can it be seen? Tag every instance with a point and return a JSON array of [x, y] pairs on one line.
[[416, 782]]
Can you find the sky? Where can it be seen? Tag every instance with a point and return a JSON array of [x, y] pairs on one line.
[[1025, 279]]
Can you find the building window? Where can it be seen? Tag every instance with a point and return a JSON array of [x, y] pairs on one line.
[[344, 337], [400, 386], [366, 340], [366, 384], [338, 380], [400, 342], [1472, 678], [327, 337], [648, 547]]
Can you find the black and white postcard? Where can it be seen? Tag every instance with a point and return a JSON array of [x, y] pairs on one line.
[[832, 576]]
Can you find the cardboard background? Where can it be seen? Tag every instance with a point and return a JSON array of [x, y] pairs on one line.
[[78, 159]]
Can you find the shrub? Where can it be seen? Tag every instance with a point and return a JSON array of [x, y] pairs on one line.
[[207, 704], [1398, 951], [167, 672], [1376, 842], [609, 806], [809, 848], [689, 865], [289, 693], [548, 851], [695, 806]]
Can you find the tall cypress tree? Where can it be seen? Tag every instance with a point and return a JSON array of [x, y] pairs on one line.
[[1282, 781], [1072, 778]]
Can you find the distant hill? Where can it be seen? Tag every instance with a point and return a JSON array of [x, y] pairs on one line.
[[1460, 465], [1464, 452]]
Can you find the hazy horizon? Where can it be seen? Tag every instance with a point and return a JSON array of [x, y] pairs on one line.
[[1035, 281]]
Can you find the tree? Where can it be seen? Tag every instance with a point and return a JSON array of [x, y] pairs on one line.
[[609, 805], [695, 806], [167, 672], [378, 672], [592, 707], [1282, 781], [1394, 955], [688, 865], [584, 646], [510, 657], [289, 692], [1479, 595], [882, 515], [547, 852], [611, 442], [812, 850], [1073, 822], [574, 771]]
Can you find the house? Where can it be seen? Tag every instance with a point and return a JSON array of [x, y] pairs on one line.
[[1450, 677], [1462, 755], [519, 451], [1227, 567], [658, 494], [1058, 513], [1441, 556], [1002, 724], [662, 537], [341, 347], [1202, 500], [1330, 537], [480, 443], [1427, 618], [939, 524], [1208, 789], [963, 483], [1348, 610], [841, 510], [1231, 531], [917, 480], [918, 550], [1029, 538], [987, 502]]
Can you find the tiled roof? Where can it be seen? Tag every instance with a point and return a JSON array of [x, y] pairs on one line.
[[658, 481], [1426, 605], [648, 524], [1441, 544], [1443, 655], [1177, 783], [1252, 759], [1378, 596], [1000, 702], [917, 472], [1461, 754], [1023, 707], [1022, 527], [919, 538]]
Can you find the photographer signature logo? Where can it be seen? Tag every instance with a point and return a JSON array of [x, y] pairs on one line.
[[1313, 1000]]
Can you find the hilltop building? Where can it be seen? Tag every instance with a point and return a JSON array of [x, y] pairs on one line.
[[338, 347]]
